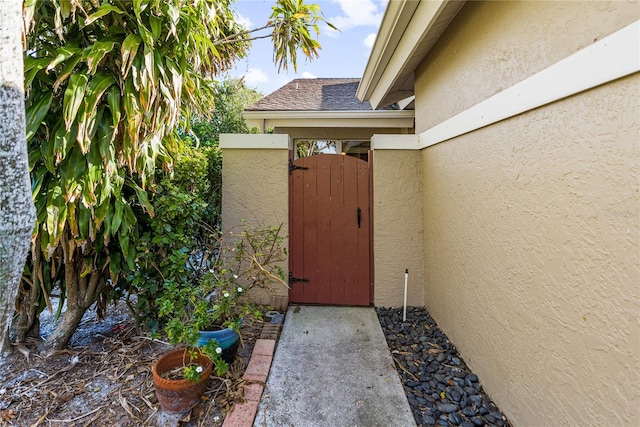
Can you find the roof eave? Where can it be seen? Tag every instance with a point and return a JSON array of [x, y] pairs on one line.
[[396, 16], [326, 114], [320, 119], [407, 32]]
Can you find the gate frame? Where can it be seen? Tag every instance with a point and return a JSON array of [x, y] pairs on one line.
[[371, 285]]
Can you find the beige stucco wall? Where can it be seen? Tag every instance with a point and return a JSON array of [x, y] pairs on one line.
[[532, 225], [397, 228], [502, 43], [254, 191]]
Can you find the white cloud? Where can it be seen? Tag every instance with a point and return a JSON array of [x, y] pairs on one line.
[[357, 13], [308, 75], [254, 76], [369, 40], [243, 20]]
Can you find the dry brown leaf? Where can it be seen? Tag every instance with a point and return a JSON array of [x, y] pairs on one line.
[[7, 415], [125, 405], [41, 419], [146, 401]]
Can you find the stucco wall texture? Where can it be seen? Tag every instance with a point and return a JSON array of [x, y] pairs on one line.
[[255, 191], [531, 225], [397, 227]]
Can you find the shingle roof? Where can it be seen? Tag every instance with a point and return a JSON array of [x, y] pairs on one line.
[[314, 95]]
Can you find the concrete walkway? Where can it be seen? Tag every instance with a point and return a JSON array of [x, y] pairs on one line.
[[332, 367]]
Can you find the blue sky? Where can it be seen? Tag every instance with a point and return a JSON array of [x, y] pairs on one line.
[[343, 54]]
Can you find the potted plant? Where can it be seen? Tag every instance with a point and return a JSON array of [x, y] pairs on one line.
[[245, 261], [180, 378], [203, 308]]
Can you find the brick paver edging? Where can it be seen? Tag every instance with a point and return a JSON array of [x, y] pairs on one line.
[[244, 413]]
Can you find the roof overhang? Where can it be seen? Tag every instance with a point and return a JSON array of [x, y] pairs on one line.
[[408, 31], [330, 119]]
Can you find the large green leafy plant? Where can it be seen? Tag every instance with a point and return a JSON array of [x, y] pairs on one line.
[[189, 275], [212, 293], [174, 243], [108, 84]]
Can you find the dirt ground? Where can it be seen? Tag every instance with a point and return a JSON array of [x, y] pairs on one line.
[[104, 379]]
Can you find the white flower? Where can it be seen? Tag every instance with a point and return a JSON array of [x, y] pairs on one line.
[[219, 350], [226, 294], [199, 369], [239, 289], [235, 276]]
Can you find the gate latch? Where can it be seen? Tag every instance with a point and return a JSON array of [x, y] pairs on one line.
[[293, 280], [293, 167]]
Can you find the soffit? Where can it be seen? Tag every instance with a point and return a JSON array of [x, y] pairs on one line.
[[408, 32]]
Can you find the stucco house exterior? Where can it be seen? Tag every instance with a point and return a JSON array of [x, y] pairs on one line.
[[257, 176], [513, 197]]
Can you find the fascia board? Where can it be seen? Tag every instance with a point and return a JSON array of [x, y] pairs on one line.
[[356, 114], [395, 20], [403, 103], [326, 119], [370, 122], [424, 18]]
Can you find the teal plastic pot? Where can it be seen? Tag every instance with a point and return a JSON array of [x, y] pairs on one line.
[[228, 339]]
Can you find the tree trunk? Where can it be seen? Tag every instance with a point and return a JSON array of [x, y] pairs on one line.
[[72, 316], [64, 330], [81, 293], [17, 213], [27, 321]]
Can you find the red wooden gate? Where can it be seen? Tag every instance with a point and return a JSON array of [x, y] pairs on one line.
[[329, 231]]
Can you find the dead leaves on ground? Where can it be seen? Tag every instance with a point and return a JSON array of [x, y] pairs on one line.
[[107, 383]]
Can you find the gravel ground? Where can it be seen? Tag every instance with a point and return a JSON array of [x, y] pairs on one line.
[[440, 388]]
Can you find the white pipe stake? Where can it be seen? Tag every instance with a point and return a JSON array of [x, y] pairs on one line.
[[406, 279]]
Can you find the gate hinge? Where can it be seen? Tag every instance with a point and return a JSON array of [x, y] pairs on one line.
[[293, 280], [293, 167]]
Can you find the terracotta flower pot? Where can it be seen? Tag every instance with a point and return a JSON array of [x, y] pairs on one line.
[[177, 396]]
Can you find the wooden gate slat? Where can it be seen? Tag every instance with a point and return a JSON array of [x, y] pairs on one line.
[[351, 231], [337, 229], [323, 197], [310, 219]]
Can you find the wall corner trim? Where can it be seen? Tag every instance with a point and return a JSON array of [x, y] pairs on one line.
[[395, 142], [254, 141], [611, 58]]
